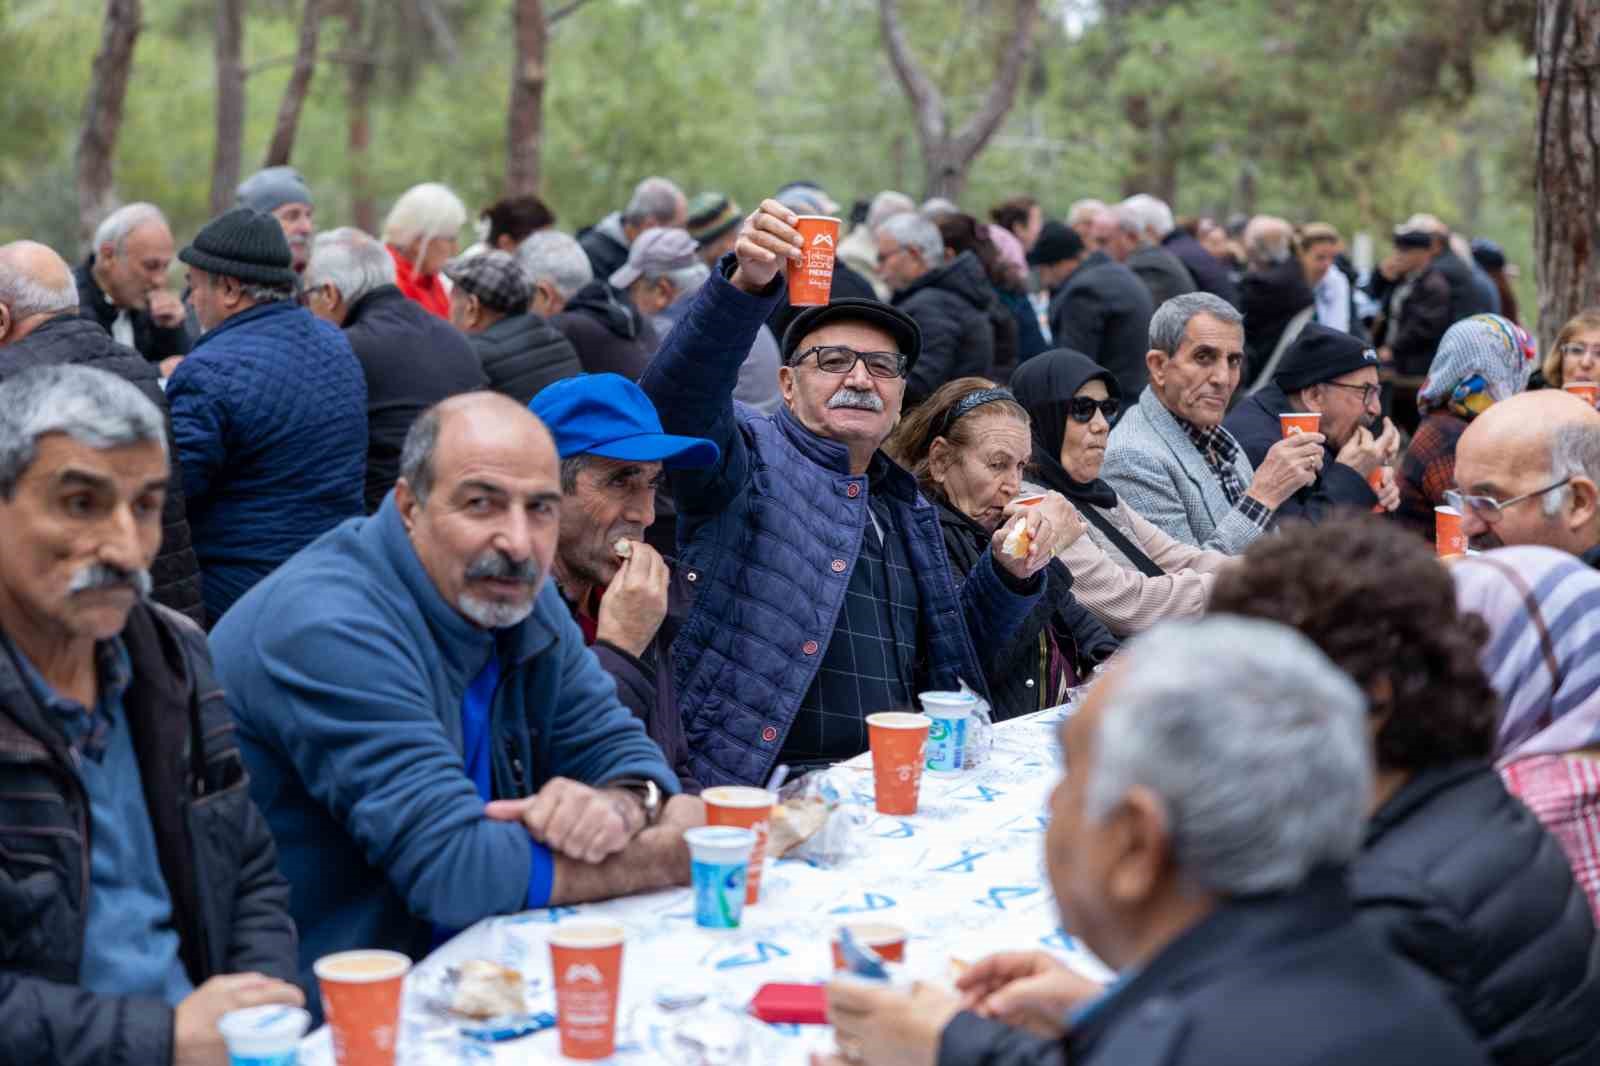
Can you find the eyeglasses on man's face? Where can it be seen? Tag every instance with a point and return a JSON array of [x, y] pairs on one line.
[[838, 359], [1488, 509], [1369, 393]]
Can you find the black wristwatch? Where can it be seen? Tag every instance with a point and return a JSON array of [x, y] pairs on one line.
[[648, 793]]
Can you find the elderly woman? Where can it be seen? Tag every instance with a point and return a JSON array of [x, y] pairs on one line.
[[1481, 360], [421, 233], [1128, 573], [968, 447], [1576, 353], [1542, 607]]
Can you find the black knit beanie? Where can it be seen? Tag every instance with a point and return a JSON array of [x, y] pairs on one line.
[[243, 244]]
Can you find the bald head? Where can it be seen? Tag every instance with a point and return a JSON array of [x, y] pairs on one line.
[[35, 285]]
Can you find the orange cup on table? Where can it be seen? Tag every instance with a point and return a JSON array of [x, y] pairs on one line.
[[746, 808], [1448, 539], [361, 1001], [1292, 423], [810, 277], [889, 941], [1589, 390], [586, 963], [898, 742]]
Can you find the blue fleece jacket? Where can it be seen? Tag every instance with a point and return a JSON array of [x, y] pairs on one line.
[[345, 670]]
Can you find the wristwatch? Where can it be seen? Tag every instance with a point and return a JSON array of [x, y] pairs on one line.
[[647, 792]]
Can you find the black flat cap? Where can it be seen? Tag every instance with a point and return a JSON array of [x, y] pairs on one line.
[[893, 321], [1057, 243]]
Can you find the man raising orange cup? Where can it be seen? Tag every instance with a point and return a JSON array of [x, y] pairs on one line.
[[811, 276]]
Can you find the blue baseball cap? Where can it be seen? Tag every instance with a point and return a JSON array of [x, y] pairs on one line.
[[610, 416]]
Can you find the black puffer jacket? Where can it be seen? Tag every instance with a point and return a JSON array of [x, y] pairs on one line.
[[609, 333], [67, 338], [230, 905], [951, 305], [1459, 877], [1018, 684], [523, 353]]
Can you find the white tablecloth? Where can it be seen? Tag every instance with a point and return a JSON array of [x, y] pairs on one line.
[[964, 875]]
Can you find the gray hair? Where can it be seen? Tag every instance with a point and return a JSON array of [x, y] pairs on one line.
[[655, 200], [27, 295], [1268, 240], [886, 205], [116, 227], [684, 280], [553, 256], [1152, 213], [416, 454], [935, 206], [1128, 220], [424, 212], [258, 293], [1083, 211], [571, 467], [88, 405], [1255, 744], [1574, 452], [918, 232], [351, 261], [1171, 320]]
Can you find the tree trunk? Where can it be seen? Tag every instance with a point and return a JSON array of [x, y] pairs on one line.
[[102, 114], [363, 71], [1566, 229], [294, 94], [525, 112], [948, 158], [229, 149]]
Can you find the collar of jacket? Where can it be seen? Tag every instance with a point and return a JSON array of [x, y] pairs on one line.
[[1420, 790], [884, 474], [1592, 556], [458, 639], [381, 295], [244, 318]]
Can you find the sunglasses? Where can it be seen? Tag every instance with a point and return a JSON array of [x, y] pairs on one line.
[[1082, 409], [837, 359]]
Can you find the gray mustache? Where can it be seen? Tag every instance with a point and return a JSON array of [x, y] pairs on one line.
[[498, 564], [107, 576], [866, 401]]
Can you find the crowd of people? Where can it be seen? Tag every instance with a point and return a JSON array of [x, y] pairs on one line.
[[363, 587]]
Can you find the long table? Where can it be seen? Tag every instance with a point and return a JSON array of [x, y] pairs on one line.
[[964, 875]]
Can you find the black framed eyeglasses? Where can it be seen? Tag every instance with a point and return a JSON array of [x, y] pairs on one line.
[[1082, 408], [1488, 509], [1369, 393], [838, 359]]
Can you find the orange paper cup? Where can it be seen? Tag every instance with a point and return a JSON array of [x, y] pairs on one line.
[[889, 941], [811, 277], [586, 961], [898, 741], [1589, 390], [1447, 536], [1293, 422], [1029, 500], [361, 1001], [747, 808], [1375, 479]]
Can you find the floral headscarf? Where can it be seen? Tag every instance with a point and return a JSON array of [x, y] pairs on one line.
[[1481, 361]]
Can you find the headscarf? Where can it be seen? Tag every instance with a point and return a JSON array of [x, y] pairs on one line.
[[1045, 386], [1481, 360], [1543, 611], [1010, 249]]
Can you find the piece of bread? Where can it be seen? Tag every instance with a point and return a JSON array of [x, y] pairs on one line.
[[793, 823], [1018, 541], [488, 990], [622, 549]]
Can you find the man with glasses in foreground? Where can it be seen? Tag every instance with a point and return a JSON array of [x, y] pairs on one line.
[[1527, 471], [1327, 372], [822, 590]]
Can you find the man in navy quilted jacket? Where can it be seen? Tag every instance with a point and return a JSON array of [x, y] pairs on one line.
[[269, 411], [821, 587]]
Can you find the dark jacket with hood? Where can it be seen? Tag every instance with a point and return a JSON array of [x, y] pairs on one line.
[[1210, 275], [67, 338], [523, 353], [1412, 327], [1104, 312], [153, 342], [230, 905], [1255, 425], [951, 304], [605, 245], [610, 335], [1467, 294], [412, 359], [1162, 272], [1458, 876], [1270, 298]]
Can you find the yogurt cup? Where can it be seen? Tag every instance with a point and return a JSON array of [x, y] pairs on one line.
[[719, 862], [950, 714], [263, 1036]]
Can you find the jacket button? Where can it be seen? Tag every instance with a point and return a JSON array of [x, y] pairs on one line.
[[838, 566], [769, 734], [691, 576], [809, 647], [1030, 682], [853, 490]]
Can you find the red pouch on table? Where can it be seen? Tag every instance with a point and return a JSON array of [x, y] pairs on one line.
[[794, 1004]]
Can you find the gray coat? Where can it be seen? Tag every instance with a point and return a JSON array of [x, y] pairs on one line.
[[1157, 470]]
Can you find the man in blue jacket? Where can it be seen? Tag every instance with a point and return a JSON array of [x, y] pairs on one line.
[[428, 737], [823, 593]]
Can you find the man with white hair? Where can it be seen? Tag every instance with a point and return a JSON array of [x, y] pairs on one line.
[[1274, 295], [142, 894], [1103, 310], [40, 326], [557, 268], [949, 301], [1147, 220], [409, 358], [656, 201], [1081, 218], [422, 232], [122, 285], [610, 334], [859, 250], [1218, 790]]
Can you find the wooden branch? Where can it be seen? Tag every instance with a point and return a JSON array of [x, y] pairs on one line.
[[977, 130], [228, 148], [525, 108], [294, 94], [102, 113], [927, 103], [339, 57], [562, 12]]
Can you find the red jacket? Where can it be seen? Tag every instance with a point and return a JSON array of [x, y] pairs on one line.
[[427, 290]]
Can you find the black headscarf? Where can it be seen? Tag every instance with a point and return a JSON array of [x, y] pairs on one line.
[[1045, 386]]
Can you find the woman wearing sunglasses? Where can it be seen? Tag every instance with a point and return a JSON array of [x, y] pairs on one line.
[[1126, 571], [968, 447]]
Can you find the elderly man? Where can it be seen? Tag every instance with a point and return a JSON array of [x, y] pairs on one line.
[[1528, 472], [714, 224], [1103, 310], [409, 359], [859, 249], [282, 193], [136, 912], [521, 352], [1274, 295], [1219, 787], [1057, 253], [655, 202], [269, 412], [1210, 273], [123, 285], [1143, 221], [948, 300], [1415, 298], [40, 326], [428, 737], [613, 454], [1330, 373], [1083, 217], [556, 268], [609, 333], [824, 593], [1171, 458]]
